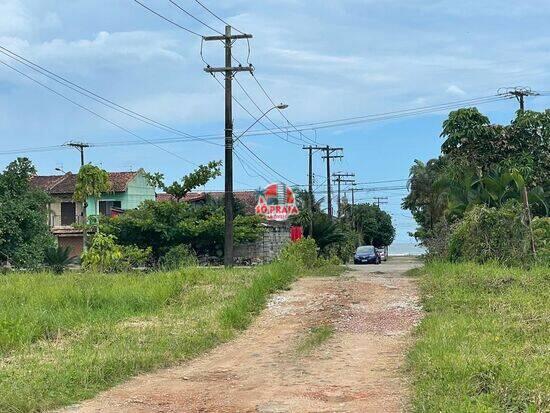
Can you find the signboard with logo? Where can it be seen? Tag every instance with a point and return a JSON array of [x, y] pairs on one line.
[[277, 202]]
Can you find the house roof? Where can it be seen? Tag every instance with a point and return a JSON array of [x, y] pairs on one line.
[[247, 198], [65, 184]]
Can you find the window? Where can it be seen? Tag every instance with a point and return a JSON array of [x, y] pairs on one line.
[[68, 213], [106, 207]]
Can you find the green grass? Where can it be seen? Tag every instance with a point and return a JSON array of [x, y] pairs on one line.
[[66, 338], [484, 343], [314, 338]]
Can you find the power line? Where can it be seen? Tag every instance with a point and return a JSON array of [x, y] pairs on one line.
[[216, 16], [269, 167], [167, 19], [94, 96], [194, 18], [95, 113], [280, 111], [266, 116]]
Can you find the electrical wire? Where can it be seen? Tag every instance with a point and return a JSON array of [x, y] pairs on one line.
[[95, 113], [94, 96], [167, 19], [280, 111], [216, 16], [266, 116], [269, 167], [242, 161], [193, 17]]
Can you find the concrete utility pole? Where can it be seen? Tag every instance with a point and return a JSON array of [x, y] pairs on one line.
[[329, 151], [80, 146], [310, 150], [229, 72], [380, 200], [340, 178]]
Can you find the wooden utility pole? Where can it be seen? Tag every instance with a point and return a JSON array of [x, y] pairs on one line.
[[329, 151], [340, 178], [229, 72], [80, 146]]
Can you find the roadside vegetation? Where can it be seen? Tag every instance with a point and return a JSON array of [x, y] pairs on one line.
[[487, 196], [483, 345], [64, 338]]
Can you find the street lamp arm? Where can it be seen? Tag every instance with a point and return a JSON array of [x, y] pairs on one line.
[[280, 107]]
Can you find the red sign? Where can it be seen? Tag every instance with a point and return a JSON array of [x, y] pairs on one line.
[[277, 202]]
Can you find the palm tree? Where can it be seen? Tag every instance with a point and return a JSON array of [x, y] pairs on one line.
[[58, 258]]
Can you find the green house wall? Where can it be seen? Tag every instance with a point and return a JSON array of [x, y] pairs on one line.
[[138, 190]]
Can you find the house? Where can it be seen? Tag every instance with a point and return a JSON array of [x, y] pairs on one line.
[[128, 190], [247, 199]]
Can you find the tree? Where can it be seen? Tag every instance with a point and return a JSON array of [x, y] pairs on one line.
[[195, 179], [374, 224], [91, 182], [163, 225], [24, 232]]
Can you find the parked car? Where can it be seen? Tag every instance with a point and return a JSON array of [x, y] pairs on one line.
[[366, 254], [382, 253]]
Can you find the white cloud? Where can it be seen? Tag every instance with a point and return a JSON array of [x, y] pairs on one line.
[[455, 90]]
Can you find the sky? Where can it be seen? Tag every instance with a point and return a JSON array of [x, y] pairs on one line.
[[325, 59]]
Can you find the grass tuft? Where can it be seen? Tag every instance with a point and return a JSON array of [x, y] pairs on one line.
[[314, 338]]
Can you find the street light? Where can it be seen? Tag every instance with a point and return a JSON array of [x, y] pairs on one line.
[[280, 106]]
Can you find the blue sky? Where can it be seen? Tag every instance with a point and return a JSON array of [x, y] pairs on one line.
[[326, 60]]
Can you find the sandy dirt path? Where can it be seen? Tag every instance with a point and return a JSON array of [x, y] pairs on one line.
[[358, 369]]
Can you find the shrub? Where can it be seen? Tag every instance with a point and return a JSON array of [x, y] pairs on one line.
[[179, 256], [58, 258], [105, 255], [302, 253], [541, 231], [487, 234]]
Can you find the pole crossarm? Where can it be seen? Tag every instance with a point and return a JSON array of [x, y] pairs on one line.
[[229, 69], [227, 37]]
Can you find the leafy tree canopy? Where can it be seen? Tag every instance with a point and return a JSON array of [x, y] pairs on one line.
[[24, 233], [195, 179], [372, 223], [91, 181]]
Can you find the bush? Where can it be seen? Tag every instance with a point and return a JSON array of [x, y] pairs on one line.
[[541, 231], [105, 255], [487, 234], [179, 256], [58, 258], [343, 251], [302, 253]]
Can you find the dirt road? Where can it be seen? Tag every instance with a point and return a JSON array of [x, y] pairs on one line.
[[371, 311]]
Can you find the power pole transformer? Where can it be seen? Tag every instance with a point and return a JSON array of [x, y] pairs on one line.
[[229, 71]]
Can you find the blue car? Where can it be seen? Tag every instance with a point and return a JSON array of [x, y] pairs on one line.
[[366, 254]]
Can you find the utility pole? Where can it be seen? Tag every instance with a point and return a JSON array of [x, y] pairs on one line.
[[80, 146], [340, 178], [229, 72], [329, 155], [380, 200], [519, 93], [310, 150]]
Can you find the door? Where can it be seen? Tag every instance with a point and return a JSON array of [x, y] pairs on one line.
[[68, 213]]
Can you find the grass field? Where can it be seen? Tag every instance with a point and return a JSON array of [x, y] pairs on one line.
[[65, 338], [484, 345]]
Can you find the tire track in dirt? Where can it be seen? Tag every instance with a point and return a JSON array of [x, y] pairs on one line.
[[372, 309]]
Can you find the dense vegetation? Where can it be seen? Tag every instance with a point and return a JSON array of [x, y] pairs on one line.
[[490, 176], [339, 237], [24, 232], [483, 345], [64, 338]]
